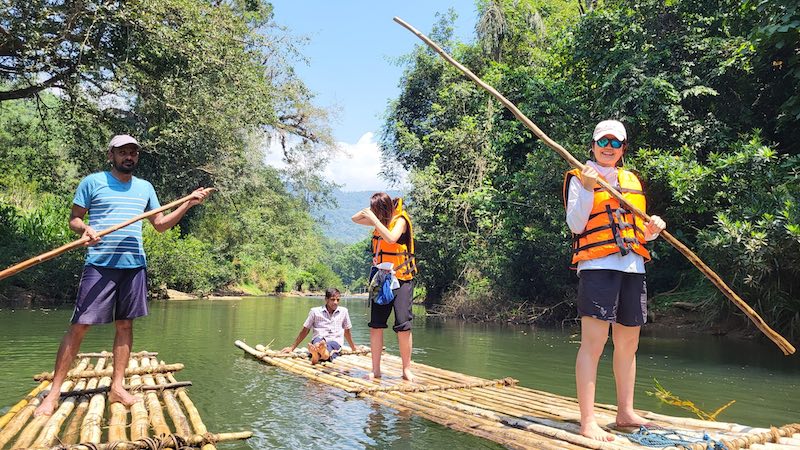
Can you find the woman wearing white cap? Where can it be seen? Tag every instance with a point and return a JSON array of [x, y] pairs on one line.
[[609, 254]]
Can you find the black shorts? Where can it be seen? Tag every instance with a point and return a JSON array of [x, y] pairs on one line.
[[613, 296], [403, 297]]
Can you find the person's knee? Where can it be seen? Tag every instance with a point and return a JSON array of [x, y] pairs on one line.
[[78, 330], [626, 344], [124, 325], [593, 347]]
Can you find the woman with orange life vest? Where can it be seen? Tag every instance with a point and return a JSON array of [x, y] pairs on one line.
[[392, 241], [608, 248]]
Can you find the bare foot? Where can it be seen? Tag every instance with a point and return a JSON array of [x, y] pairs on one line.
[[407, 375], [314, 353], [46, 407], [122, 396], [632, 420], [593, 431], [373, 376], [322, 348]]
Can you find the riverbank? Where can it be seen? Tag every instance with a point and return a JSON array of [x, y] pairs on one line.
[[680, 318]]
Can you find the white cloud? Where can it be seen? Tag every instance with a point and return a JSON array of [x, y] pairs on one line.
[[355, 167]]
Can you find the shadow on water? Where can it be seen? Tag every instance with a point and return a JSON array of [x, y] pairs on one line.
[[234, 392]]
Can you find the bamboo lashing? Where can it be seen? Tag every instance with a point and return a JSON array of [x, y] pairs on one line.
[[108, 372], [779, 340], [19, 267], [169, 441]]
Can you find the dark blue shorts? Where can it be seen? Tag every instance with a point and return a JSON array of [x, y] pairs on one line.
[[333, 348], [613, 296], [106, 295]]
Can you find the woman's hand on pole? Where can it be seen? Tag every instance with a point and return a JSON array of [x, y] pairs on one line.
[[655, 225], [589, 178]]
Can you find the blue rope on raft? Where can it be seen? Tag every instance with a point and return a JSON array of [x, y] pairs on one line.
[[662, 438]]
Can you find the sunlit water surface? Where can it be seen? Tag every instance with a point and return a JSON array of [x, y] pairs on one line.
[[234, 392]]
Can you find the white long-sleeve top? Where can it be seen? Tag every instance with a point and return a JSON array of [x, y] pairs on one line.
[[579, 207]]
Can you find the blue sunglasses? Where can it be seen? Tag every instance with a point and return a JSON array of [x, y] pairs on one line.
[[615, 143]]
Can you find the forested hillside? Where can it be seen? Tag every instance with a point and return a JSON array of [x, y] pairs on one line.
[[335, 217]]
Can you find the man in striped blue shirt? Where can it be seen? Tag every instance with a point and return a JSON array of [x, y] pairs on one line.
[[113, 285]]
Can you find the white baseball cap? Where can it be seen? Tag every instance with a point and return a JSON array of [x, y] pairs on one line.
[[612, 127], [122, 139]]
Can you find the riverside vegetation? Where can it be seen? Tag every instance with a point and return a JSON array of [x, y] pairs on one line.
[[709, 90]]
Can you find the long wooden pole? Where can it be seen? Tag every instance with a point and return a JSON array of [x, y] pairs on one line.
[[779, 340], [78, 243]]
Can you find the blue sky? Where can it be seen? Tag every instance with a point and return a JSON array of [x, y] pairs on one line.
[[351, 52]]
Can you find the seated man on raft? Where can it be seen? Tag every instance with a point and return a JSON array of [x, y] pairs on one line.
[[330, 324]]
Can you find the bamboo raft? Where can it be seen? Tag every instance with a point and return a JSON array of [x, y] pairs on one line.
[[502, 411], [84, 421]]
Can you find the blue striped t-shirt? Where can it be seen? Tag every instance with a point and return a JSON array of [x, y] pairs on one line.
[[110, 202]]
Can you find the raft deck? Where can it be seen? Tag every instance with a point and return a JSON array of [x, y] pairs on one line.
[[504, 412], [84, 420]]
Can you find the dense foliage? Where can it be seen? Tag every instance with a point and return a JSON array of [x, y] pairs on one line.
[[204, 86], [708, 91]]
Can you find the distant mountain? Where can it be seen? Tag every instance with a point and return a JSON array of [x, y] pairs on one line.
[[336, 223]]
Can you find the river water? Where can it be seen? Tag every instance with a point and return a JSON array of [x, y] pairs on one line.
[[234, 392]]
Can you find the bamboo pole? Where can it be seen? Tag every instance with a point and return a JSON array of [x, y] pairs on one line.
[[108, 372], [83, 240], [157, 421], [302, 354], [28, 434], [179, 420], [91, 432], [140, 424], [194, 416], [49, 433], [111, 355], [73, 431], [163, 442], [779, 340], [21, 404], [117, 424], [144, 388], [432, 387]]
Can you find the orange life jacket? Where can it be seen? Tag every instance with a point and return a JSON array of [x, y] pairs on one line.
[[401, 253], [611, 228]]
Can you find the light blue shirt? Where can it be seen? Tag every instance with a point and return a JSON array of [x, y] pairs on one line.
[[111, 202]]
